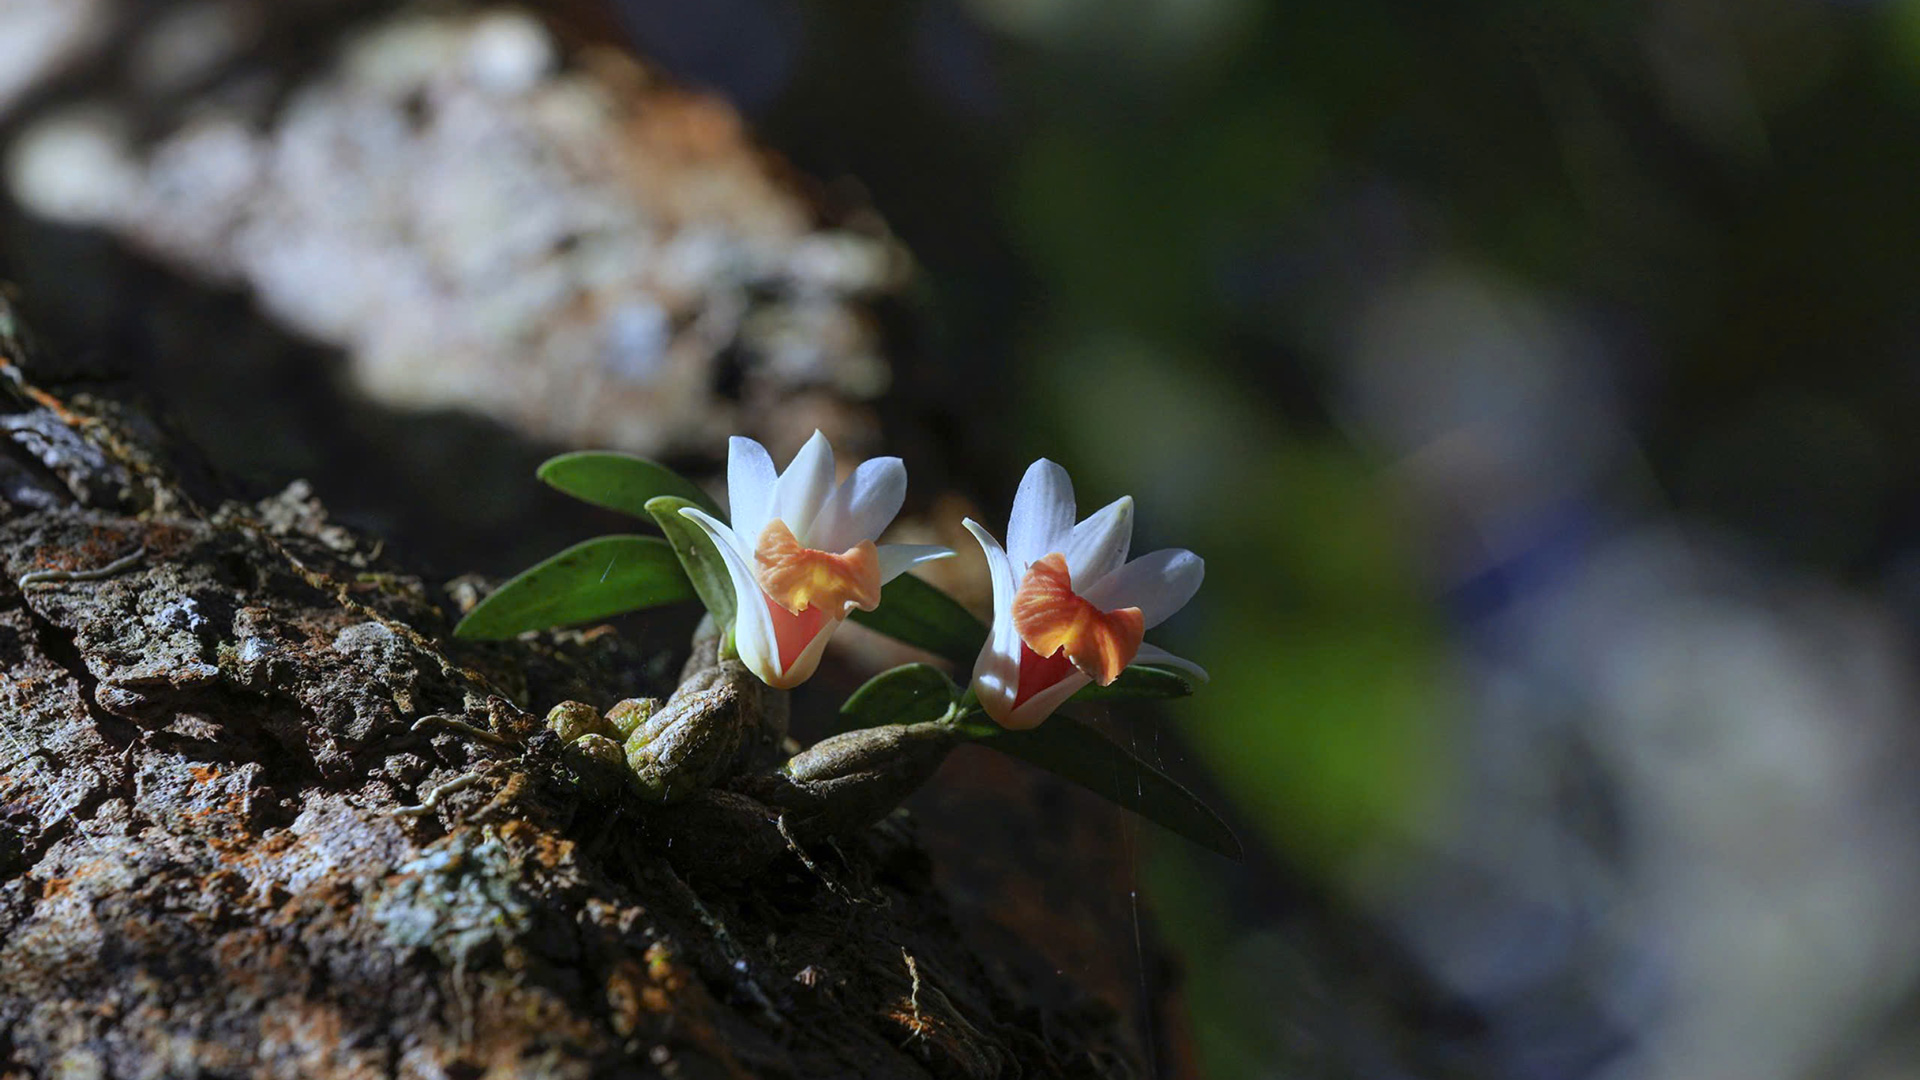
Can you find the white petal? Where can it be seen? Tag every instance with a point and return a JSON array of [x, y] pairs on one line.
[[895, 559], [1097, 546], [750, 479], [862, 507], [1042, 517], [999, 571], [752, 627], [1041, 705], [1153, 654], [1158, 583], [996, 673], [996, 677], [802, 489]]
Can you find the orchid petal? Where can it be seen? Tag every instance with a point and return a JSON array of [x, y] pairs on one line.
[[862, 507], [1158, 657], [1042, 517], [1098, 546], [896, 559], [753, 636], [996, 674], [994, 682], [1158, 583], [1041, 705], [1000, 571], [800, 491], [750, 479]]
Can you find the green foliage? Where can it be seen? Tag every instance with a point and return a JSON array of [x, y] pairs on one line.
[[908, 694], [922, 693], [700, 559], [1139, 682], [1073, 751], [605, 576], [922, 616], [620, 482], [613, 574]]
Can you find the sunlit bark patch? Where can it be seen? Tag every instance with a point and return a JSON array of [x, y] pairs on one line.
[[1051, 618], [798, 578]]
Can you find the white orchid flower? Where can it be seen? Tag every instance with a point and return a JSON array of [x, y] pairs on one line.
[[801, 551], [1068, 608]]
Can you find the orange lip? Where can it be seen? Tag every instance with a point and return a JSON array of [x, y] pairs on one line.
[[797, 577], [1052, 618]]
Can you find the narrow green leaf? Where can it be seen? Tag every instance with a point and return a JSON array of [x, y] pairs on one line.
[[592, 580], [695, 549], [921, 615], [620, 482], [1076, 752], [1139, 682], [908, 694]]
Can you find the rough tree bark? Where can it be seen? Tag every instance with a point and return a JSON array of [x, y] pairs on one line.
[[258, 817]]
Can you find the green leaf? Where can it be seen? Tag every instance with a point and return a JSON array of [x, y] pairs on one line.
[[700, 560], [620, 482], [921, 615], [1139, 682], [593, 580], [1076, 752], [908, 694]]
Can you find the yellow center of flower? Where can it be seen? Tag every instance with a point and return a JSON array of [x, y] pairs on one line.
[[797, 577], [1051, 617]]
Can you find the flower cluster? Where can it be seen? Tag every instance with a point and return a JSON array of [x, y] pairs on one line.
[[1069, 608], [801, 551]]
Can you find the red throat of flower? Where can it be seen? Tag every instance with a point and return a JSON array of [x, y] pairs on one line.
[[1059, 626], [793, 633], [1037, 673]]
